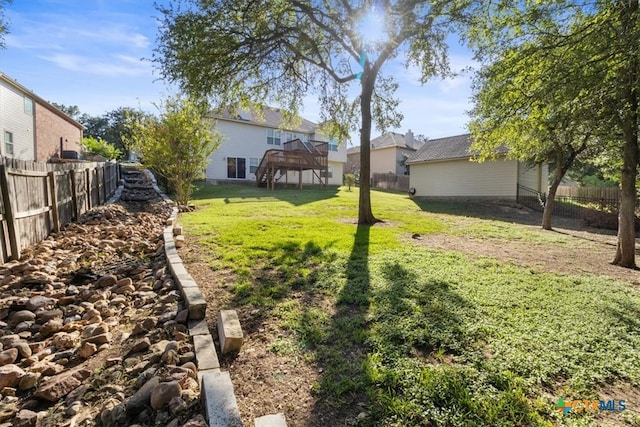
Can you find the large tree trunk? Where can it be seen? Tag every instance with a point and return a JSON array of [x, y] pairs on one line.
[[547, 215], [626, 250], [365, 215]]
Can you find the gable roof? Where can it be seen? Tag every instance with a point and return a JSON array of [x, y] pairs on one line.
[[271, 118], [40, 101], [449, 148], [390, 139]]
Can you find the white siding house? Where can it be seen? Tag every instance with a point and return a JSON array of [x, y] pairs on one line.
[[443, 168], [32, 128], [17, 121], [246, 138]]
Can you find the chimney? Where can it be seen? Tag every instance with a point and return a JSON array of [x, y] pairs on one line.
[[408, 139]]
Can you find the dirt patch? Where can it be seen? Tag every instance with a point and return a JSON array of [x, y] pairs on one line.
[[586, 251], [584, 257]]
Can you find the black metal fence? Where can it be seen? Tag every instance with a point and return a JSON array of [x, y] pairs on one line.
[[531, 198], [571, 206]]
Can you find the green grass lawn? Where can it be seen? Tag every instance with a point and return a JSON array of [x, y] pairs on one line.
[[418, 335]]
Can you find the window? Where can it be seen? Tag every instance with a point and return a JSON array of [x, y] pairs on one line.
[[28, 106], [236, 167], [8, 143], [333, 145], [273, 137], [330, 172], [290, 136], [254, 162]]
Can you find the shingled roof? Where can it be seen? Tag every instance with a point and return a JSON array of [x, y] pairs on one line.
[[271, 118], [390, 139], [449, 148]]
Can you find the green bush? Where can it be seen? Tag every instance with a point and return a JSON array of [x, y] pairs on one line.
[[349, 180], [100, 147]]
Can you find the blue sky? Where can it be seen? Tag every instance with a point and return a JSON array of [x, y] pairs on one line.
[[94, 54]]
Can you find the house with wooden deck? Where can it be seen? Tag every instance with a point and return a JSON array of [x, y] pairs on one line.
[[445, 168], [263, 149], [32, 128]]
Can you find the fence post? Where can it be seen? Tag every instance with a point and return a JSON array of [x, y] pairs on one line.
[[74, 194], [104, 185], [54, 201], [8, 196], [87, 173]]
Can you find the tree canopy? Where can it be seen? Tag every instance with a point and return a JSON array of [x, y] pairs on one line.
[[72, 111], [177, 145], [601, 40], [112, 126], [256, 53], [531, 100], [4, 24]]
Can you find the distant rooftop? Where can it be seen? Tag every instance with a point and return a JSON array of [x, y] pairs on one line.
[[271, 118], [391, 139], [449, 148]]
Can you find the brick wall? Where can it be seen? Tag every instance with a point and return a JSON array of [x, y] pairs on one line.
[[50, 127]]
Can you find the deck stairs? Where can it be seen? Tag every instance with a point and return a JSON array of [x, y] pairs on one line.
[[296, 155]]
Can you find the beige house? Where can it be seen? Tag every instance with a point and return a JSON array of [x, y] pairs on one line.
[[444, 168], [248, 136], [32, 128], [388, 154]]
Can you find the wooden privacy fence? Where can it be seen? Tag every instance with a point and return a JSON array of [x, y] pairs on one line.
[[390, 181], [595, 193], [39, 198]]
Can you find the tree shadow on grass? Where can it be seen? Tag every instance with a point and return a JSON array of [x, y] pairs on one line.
[[419, 317], [402, 317], [288, 266], [423, 336], [342, 352]]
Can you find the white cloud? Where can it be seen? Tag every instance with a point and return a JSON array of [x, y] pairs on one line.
[[115, 35], [119, 66]]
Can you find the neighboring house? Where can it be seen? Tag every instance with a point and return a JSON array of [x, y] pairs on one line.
[[32, 128], [443, 168], [247, 137], [388, 154]]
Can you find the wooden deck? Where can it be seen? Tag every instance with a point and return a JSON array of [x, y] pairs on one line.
[[295, 155]]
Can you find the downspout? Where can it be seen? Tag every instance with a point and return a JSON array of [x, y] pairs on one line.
[[35, 134], [539, 177]]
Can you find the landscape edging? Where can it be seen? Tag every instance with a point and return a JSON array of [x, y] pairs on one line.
[[204, 347]]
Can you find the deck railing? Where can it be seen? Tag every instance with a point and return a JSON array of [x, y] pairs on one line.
[[316, 147], [295, 154]]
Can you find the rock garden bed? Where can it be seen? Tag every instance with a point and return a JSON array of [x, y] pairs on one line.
[[92, 326]]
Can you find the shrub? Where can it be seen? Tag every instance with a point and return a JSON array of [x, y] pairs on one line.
[[349, 180], [100, 147]]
